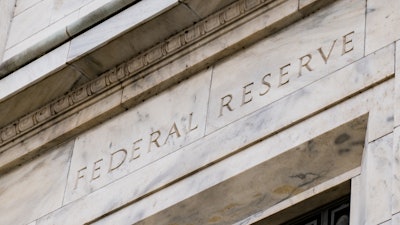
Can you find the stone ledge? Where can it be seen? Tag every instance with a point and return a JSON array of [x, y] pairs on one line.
[[86, 66], [52, 75], [258, 186], [58, 37], [141, 66]]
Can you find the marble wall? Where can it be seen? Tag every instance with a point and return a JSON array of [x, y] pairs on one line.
[[282, 118], [51, 17], [36, 188]]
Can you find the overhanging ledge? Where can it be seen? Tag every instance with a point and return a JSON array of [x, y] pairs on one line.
[[76, 55], [319, 160]]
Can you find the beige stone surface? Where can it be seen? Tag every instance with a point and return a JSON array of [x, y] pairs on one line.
[[396, 172], [53, 31], [20, 23], [267, 71], [382, 62], [241, 133], [136, 40], [143, 135], [64, 129], [207, 51], [388, 222], [397, 86], [71, 15], [377, 181], [22, 5], [396, 218], [382, 20], [36, 79], [355, 201], [303, 202], [204, 10], [304, 3], [36, 188], [257, 185], [7, 8], [228, 129], [192, 155], [381, 120], [117, 25], [184, 66], [91, 6], [33, 72], [62, 8]]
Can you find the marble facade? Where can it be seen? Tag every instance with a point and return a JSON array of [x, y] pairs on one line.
[[179, 112]]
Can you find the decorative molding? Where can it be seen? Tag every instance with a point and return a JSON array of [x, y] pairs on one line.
[[122, 72]]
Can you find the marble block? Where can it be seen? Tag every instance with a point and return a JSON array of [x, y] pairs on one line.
[[396, 219], [53, 34], [33, 72], [303, 3], [62, 8], [396, 172], [36, 79], [18, 29], [90, 165], [397, 86], [388, 222], [91, 6], [381, 119], [7, 7], [257, 184], [204, 10], [234, 137], [22, 5], [36, 188], [382, 20], [356, 201], [135, 40], [61, 130], [377, 181], [189, 158], [116, 25], [143, 135], [285, 62]]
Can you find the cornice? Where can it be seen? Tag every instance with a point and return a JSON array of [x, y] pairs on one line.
[[127, 70], [61, 36]]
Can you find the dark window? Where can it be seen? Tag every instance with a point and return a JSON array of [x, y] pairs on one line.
[[335, 213]]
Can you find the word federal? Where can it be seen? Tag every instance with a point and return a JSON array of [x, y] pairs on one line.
[[139, 148]]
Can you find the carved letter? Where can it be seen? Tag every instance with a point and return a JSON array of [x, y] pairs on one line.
[[225, 104], [326, 57], [112, 166], [134, 149], [282, 74], [96, 168], [79, 176], [154, 140], [173, 130], [191, 128], [266, 83], [302, 64], [245, 93], [347, 41]]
